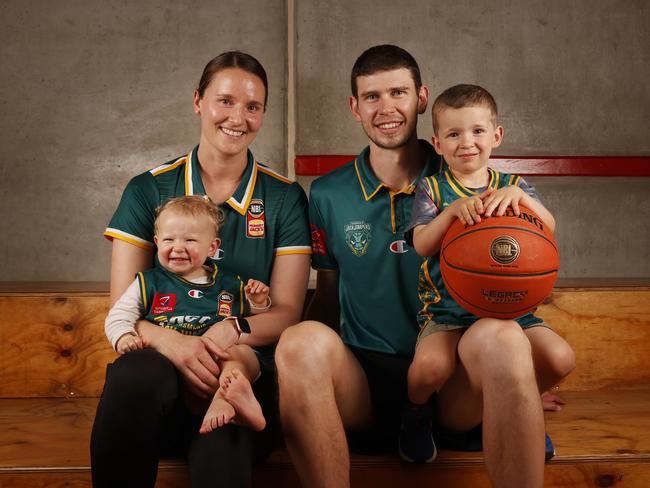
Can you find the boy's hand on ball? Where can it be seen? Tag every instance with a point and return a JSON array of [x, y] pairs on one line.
[[498, 201], [469, 209]]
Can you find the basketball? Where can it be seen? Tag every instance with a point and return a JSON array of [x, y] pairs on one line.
[[502, 267]]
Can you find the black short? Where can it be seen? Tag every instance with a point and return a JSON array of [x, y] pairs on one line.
[[387, 379]]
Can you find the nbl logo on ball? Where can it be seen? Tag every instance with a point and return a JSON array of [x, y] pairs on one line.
[[504, 249]]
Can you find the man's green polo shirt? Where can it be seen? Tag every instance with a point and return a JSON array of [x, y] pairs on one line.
[[357, 226], [266, 217]]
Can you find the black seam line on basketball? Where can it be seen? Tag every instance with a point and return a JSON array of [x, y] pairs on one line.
[[500, 228], [518, 275], [524, 310]]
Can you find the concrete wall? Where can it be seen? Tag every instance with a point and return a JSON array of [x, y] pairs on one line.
[[95, 92], [570, 78], [92, 93]]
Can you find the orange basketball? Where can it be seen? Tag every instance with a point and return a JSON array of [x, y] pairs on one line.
[[502, 267]]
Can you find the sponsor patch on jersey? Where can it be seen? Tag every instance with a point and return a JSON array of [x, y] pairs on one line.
[[398, 247], [218, 254], [318, 243], [255, 219], [226, 300], [358, 235], [195, 294], [163, 303]]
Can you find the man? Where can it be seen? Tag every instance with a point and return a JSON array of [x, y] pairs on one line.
[[356, 382]]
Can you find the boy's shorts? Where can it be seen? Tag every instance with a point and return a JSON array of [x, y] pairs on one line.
[[387, 380], [432, 327]]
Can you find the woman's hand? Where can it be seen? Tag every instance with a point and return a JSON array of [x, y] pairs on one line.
[[195, 358]]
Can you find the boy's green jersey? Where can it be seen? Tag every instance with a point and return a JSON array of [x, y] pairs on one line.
[[434, 194], [172, 302], [357, 226], [266, 216]]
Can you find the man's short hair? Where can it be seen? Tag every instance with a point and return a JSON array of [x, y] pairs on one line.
[[193, 206], [385, 57], [463, 95]]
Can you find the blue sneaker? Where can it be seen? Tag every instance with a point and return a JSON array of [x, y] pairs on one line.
[[550, 449], [415, 439]]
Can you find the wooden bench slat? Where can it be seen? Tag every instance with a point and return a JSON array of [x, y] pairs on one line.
[[609, 331], [53, 347], [67, 350], [598, 434]]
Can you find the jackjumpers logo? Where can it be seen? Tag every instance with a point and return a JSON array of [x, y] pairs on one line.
[[358, 235], [163, 303], [255, 219]]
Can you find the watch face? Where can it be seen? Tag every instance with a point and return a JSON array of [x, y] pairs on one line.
[[244, 326]]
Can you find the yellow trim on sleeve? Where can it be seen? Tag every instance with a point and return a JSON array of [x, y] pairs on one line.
[[297, 250], [165, 169], [113, 235]]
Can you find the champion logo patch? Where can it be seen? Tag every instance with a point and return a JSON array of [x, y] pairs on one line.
[[163, 303], [398, 247], [195, 294]]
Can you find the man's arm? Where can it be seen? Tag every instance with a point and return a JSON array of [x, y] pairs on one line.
[[324, 306]]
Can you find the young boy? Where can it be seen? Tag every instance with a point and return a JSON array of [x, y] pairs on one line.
[[465, 132], [188, 295]]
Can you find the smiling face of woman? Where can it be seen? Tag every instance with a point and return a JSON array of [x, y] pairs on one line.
[[231, 109]]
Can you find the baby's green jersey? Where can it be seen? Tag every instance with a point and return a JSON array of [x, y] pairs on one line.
[[265, 217], [434, 194], [170, 301], [357, 226]]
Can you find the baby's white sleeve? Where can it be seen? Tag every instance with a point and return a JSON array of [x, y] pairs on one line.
[[123, 316]]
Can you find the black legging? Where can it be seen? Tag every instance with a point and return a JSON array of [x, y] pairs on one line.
[[141, 417]]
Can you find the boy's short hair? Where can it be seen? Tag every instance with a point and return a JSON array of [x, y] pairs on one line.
[[460, 96], [384, 57], [195, 206]]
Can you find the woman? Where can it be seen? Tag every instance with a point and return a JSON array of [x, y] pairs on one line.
[[141, 415]]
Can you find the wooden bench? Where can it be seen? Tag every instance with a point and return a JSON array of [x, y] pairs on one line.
[[53, 355]]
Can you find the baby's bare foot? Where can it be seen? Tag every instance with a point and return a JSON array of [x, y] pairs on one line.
[[238, 392], [219, 413]]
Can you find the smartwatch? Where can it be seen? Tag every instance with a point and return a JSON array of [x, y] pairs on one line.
[[241, 324]]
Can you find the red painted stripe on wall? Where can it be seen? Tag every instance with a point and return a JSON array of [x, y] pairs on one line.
[[316, 165]]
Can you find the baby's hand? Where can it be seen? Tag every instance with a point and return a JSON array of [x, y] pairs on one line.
[[257, 293], [469, 209], [128, 342], [499, 201]]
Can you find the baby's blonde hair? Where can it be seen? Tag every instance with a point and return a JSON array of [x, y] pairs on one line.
[[194, 205]]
